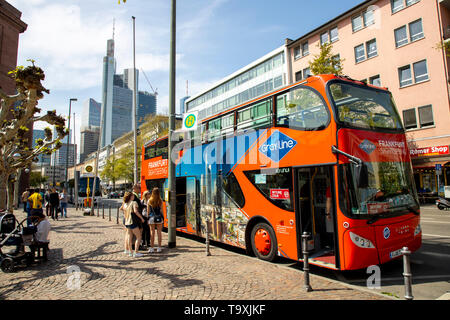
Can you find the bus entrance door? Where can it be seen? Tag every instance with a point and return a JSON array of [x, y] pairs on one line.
[[314, 202], [181, 202]]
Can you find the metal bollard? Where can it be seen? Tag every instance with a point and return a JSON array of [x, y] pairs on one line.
[[306, 284], [103, 211], [208, 253], [109, 215], [117, 215], [407, 273]]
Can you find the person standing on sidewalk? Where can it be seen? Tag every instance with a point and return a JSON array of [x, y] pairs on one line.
[[47, 202], [35, 205], [54, 204], [25, 196], [156, 218], [63, 198], [137, 199], [132, 218], [145, 226]]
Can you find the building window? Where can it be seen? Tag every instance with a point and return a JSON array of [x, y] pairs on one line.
[[297, 53], [401, 37], [415, 33], [426, 116], [306, 73], [298, 76], [416, 30], [334, 35], [324, 38], [368, 18], [405, 76], [363, 20], [360, 54], [397, 5], [371, 48], [420, 71], [357, 23], [409, 118], [305, 48], [375, 80]]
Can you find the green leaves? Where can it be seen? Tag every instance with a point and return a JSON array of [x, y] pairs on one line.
[[325, 62]]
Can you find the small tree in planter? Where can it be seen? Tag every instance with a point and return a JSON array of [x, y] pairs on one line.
[[18, 113]]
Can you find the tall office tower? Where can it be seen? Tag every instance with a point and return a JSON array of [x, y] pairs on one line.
[[128, 81], [121, 113], [109, 66], [60, 156], [146, 104], [91, 113], [88, 141], [42, 158]]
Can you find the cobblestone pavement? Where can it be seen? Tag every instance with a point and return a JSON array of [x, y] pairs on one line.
[[95, 246]]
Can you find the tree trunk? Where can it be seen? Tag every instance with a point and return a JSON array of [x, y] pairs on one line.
[[3, 190], [10, 188]]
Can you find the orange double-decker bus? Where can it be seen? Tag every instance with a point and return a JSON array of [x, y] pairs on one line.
[[327, 156]]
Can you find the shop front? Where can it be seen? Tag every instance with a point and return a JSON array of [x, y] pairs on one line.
[[429, 179]]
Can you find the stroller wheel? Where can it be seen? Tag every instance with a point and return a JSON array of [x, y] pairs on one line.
[[7, 265]]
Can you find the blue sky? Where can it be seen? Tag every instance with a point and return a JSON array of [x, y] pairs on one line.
[[67, 38]]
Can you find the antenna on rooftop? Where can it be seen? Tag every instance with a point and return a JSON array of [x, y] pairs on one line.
[[114, 26]]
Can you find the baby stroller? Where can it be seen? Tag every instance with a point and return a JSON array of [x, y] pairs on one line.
[[14, 233]]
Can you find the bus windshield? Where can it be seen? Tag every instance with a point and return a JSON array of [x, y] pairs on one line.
[[364, 107], [390, 190]]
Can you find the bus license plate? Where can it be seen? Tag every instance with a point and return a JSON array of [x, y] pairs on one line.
[[395, 254]]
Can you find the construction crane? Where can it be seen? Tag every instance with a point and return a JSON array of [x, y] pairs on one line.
[[155, 92]]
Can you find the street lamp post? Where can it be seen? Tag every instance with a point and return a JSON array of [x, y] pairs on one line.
[[66, 184], [172, 184], [134, 121]]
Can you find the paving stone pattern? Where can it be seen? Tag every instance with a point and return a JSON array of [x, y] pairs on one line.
[[95, 247]]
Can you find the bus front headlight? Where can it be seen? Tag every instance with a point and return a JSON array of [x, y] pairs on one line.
[[361, 242]]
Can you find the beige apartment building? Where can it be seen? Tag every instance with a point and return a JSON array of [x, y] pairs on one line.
[[395, 44]]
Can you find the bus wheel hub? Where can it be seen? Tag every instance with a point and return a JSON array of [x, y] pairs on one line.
[[262, 241]]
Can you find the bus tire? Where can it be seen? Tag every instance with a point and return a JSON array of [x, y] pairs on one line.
[[264, 242]]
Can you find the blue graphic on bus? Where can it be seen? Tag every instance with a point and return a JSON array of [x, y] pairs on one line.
[[277, 146]]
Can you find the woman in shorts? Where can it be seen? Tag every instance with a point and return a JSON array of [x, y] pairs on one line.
[[156, 218], [131, 215]]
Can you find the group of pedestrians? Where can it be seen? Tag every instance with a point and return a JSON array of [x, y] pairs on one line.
[[143, 218], [54, 202]]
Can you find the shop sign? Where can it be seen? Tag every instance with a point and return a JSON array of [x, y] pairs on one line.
[[429, 151], [279, 194]]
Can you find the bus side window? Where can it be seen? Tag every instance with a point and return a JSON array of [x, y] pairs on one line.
[[302, 108]]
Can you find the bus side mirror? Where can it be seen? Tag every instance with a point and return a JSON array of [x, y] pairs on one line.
[[362, 175]]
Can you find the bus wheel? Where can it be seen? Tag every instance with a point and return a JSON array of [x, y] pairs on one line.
[[264, 242]]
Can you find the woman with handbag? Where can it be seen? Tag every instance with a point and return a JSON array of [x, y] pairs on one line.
[[132, 219], [156, 218]]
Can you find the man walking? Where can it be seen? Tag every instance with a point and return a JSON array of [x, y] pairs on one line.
[[35, 204], [63, 198]]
